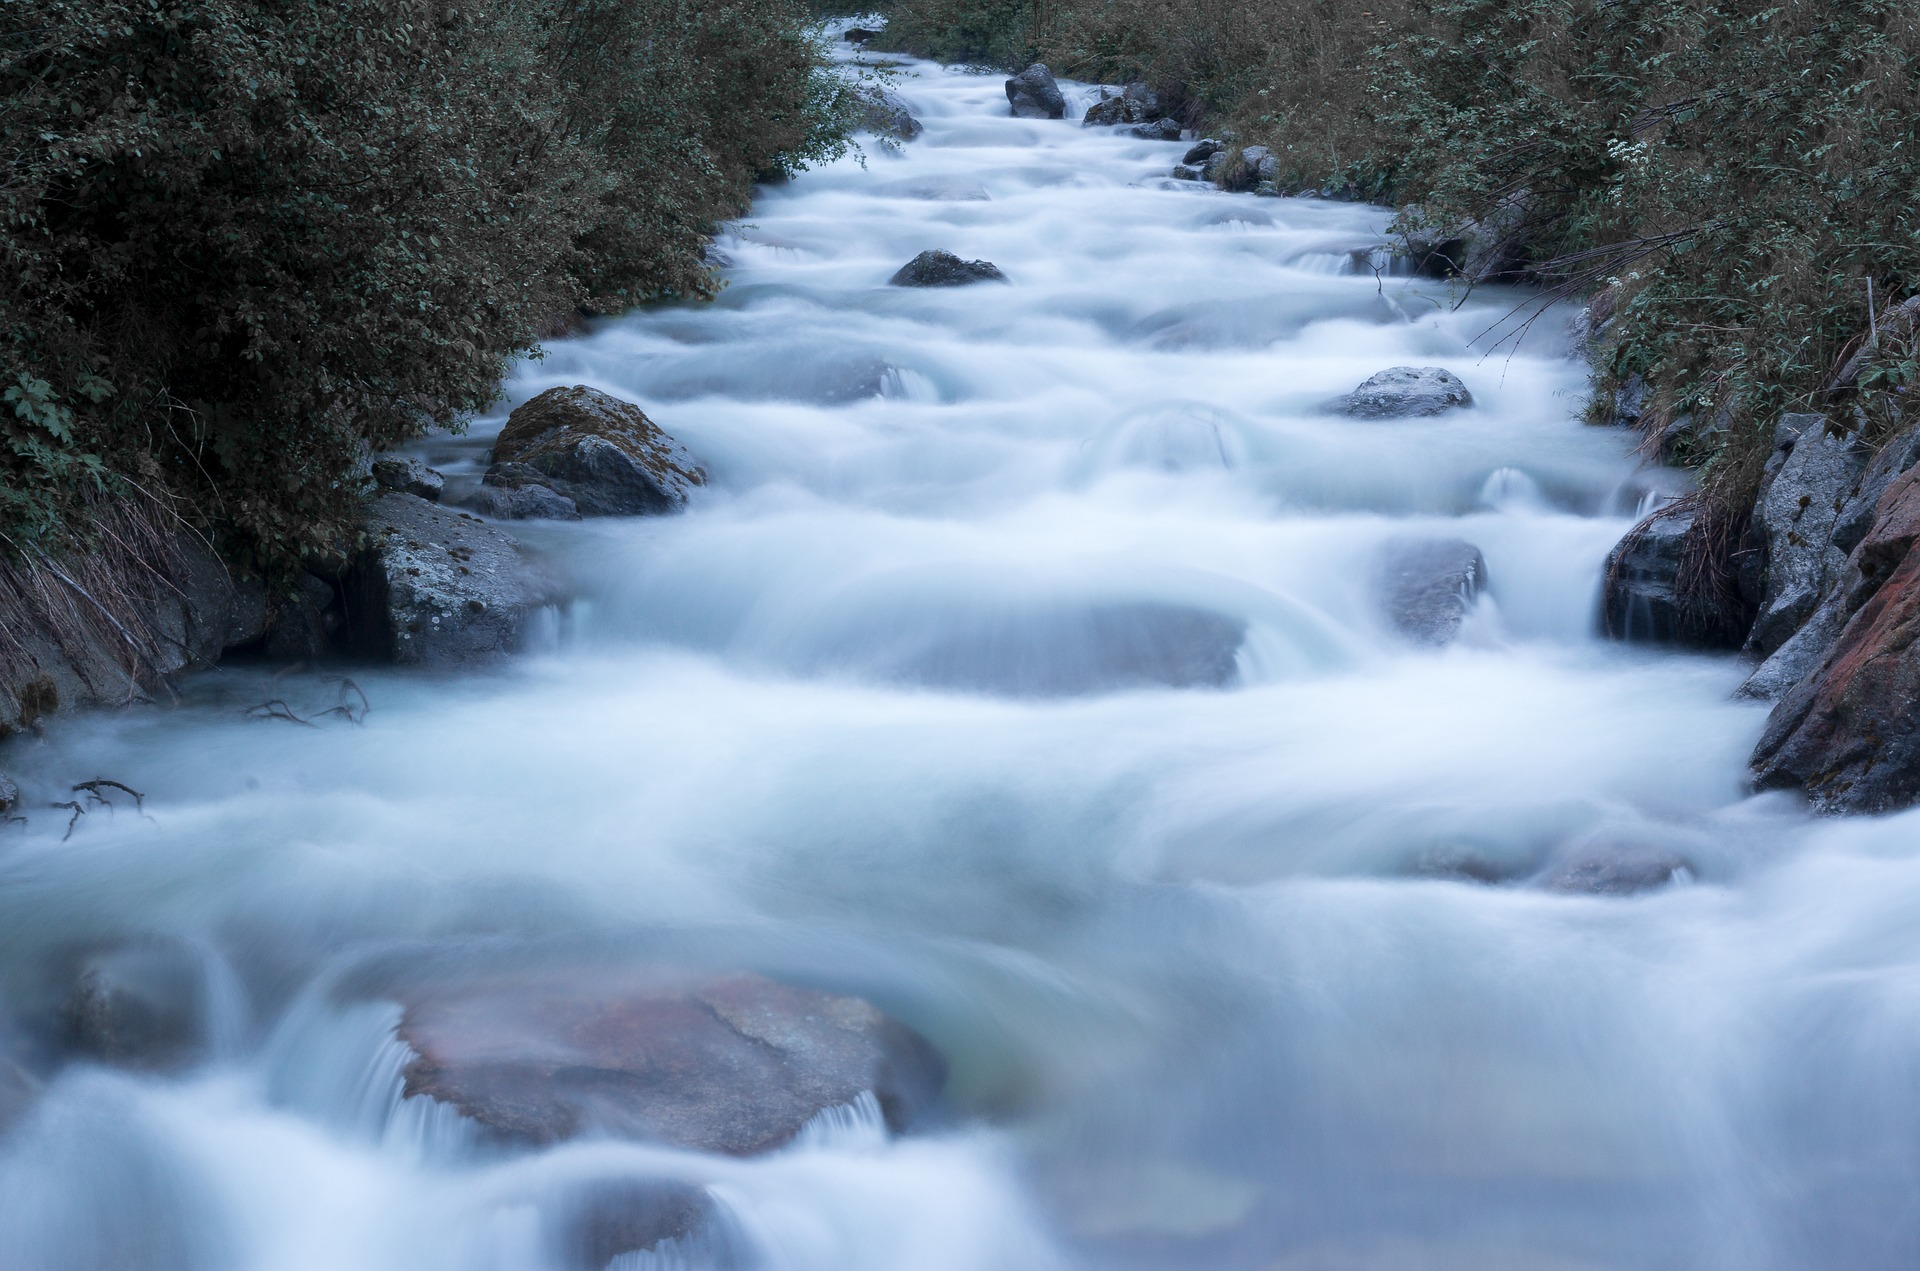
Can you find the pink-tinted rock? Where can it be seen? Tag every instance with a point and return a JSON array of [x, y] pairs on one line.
[[1849, 734], [734, 1064]]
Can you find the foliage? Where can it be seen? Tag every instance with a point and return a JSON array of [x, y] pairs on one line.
[[247, 242]]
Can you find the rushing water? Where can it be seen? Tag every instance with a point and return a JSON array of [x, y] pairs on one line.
[[1220, 972]]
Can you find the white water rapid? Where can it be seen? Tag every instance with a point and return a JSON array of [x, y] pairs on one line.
[[1282, 972]]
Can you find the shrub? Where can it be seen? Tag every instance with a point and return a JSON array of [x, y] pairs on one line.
[[249, 241]]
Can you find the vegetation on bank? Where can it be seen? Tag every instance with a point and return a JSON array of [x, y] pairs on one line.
[[1728, 181], [248, 242]]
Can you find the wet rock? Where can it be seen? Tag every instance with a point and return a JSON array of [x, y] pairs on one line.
[[408, 475], [138, 1005], [1846, 733], [944, 269], [1254, 166], [884, 115], [1492, 249], [1201, 151], [1428, 585], [216, 609], [1032, 94], [511, 492], [732, 1064], [306, 623], [9, 796], [1808, 480], [1157, 130], [1136, 104], [1641, 601], [600, 452], [1629, 402], [438, 587], [1403, 392], [860, 35], [1187, 172]]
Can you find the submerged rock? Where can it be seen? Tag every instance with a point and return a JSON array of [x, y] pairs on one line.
[[405, 474], [1403, 392], [1428, 585], [936, 268], [596, 450], [733, 1064], [1158, 130], [437, 587], [1032, 94], [142, 1004], [1616, 870]]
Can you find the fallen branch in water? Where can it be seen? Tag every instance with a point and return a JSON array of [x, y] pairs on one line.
[[345, 707]]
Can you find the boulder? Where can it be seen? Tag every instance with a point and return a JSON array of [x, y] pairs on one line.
[[1201, 151], [1187, 172], [602, 453], [513, 492], [306, 622], [732, 1064], [1807, 483], [437, 587], [1032, 94], [1846, 733], [1641, 600], [1135, 104], [1428, 585], [936, 268], [860, 35], [1616, 870], [1488, 249], [407, 475], [884, 115], [1253, 167], [1403, 392], [1158, 130], [9, 797]]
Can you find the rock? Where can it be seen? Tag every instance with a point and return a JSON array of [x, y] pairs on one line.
[[1134, 104], [407, 475], [1158, 130], [602, 453], [9, 796], [943, 269], [1216, 167], [1187, 172], [437, 587], [1641, 601], [1427, 586], [1406, 391], [1032, 94], [306, 624], [1628, 403], [1491, 249], [860, 35], [1846, 733], [593, 1225], [1616, 870], [729, 1064], [215, 609], [885, 115], [1201, 151], [507, 494], [937, 189], [1809, 478], [1256, 165], [138, 1005], [1896, 323]]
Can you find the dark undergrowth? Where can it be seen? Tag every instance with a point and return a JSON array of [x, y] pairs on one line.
[[249, 242]]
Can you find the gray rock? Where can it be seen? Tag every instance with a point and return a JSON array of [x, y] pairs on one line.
[[1428, 585], [1158, 130], [734, 1064], [438, 587], [1032, 94], [1802, 652], [936, 268], [1217, 166], [9, 796], [1641, 603], [306, 623], [602, 453], [860, 35], [589, 1226], [1405, 392], [1135, 104], [1809, 479], [1488, 250], [407, 475], [1201, 151], [885, 115], [1629, 402], [1187, 172], [509, 492]]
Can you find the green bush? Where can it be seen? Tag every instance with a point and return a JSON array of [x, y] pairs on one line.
[[247, 242]]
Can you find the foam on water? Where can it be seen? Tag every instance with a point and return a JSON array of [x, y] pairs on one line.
[[1022, 670]]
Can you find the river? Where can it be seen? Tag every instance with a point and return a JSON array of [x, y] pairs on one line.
[[1288, 971]]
